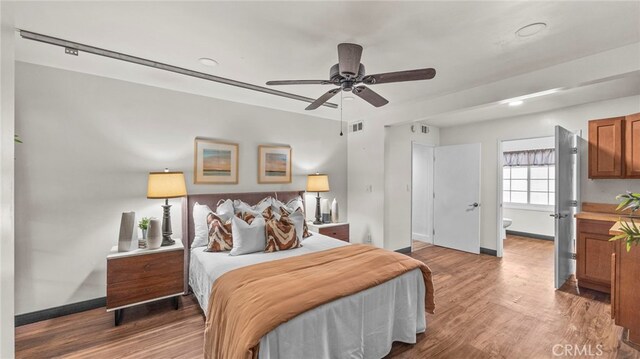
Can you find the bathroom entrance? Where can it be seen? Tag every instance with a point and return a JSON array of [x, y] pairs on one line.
[[537, 187]]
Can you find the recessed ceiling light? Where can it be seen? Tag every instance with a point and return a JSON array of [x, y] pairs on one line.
[[515, 103], [208, 62], [531, 29], [348, 98]]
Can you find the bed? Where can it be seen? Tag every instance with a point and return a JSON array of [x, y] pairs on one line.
[[362, 325]]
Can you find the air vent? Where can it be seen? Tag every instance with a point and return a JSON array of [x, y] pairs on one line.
[[356, 127]]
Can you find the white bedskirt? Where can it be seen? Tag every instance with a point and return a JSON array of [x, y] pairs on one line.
[[363, 325]]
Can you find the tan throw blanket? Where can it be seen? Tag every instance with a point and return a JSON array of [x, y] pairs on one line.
[[247, 303]]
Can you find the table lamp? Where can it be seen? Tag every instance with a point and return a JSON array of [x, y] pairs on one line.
[[317, 183], [165, 185]]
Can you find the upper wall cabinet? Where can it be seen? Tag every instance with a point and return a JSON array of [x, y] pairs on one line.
[[614, 147], [632, 146], [606, 146]]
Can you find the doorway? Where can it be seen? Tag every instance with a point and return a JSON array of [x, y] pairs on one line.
[[421, 195], [538, 195], [446, 196]]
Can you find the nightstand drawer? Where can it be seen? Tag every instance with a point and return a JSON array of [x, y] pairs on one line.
[[144, 266], [150, 287], [340, 232]]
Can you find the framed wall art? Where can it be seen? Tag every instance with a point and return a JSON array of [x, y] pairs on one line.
[[274, 164], [215, 162]]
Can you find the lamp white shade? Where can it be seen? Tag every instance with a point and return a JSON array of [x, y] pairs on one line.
[[318, 183], [166, 185]]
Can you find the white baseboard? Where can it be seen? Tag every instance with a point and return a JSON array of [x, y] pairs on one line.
[[421, 237]]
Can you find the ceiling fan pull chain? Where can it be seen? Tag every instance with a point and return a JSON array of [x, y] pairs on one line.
[[341, 94]]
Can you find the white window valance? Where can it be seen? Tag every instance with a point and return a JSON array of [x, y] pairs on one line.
[[539, 157]]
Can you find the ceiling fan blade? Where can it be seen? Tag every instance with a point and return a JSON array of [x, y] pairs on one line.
[[370, 96], [349, 59], [400, 76], [324, 98], [299, 82]]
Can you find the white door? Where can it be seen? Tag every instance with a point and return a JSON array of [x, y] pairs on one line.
[[566, 204], [456, 187]]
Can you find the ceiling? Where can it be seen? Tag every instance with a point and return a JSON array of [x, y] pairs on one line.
[[471, 44]]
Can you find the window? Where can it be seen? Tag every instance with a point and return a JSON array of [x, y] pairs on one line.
[[529, 184]]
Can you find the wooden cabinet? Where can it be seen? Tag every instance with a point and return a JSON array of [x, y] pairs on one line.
[[614, 147], [335, 230], [606, 147], [625, 294], [593, 257], [144, 275], [632, 146]]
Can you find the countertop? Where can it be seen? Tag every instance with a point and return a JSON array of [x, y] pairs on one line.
[[599, 216]]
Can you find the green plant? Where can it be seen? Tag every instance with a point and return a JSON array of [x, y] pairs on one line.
[[17, 139], [630, 231], [144, 223]]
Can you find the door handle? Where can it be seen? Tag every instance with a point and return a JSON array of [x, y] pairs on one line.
[[474, 205], [558, 215]]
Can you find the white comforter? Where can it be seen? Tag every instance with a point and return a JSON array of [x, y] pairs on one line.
[[363, 325]]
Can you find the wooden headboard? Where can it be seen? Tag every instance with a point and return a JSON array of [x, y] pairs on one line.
[[211, 200]]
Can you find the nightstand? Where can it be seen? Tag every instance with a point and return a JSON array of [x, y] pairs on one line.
[[336, 230], [144, 275]]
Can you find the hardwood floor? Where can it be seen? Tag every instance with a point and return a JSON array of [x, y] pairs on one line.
[[485, 308], [418, 245]]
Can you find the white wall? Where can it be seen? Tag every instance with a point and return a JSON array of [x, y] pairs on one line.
[[7, 261], [366, 184], [538, 125], [422, 193], [89, 143], [529, 144], [534, 221], [397, 177]]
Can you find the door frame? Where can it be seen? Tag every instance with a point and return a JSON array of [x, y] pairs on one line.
[[414, 142]]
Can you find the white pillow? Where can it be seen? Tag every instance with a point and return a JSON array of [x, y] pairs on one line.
[[201, 235], [248, 238], [201, 227], [290, 206], [298, 221], [241, 206]]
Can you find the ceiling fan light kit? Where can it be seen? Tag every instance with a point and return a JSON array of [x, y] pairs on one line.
[[348, 73]]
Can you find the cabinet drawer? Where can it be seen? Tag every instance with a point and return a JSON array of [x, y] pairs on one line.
[[144, 266], [339, 232], [589, 226], [139, 290]]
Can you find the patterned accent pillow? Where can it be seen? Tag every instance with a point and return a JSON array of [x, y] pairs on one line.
[[220, 236], [281, 235], [305, 229], [249, 216]]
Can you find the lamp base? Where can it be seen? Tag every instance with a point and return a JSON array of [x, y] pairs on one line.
[[318, 220], [166, 225]]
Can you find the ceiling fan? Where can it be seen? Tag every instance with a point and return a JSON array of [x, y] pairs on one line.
[[349, 72]]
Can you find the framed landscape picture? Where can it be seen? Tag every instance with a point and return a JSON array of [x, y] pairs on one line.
[[274, 164], [215, 162]]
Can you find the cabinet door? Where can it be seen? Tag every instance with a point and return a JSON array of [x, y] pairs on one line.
[[595, 257], [627, 287], [632, 146], [606, 148]]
